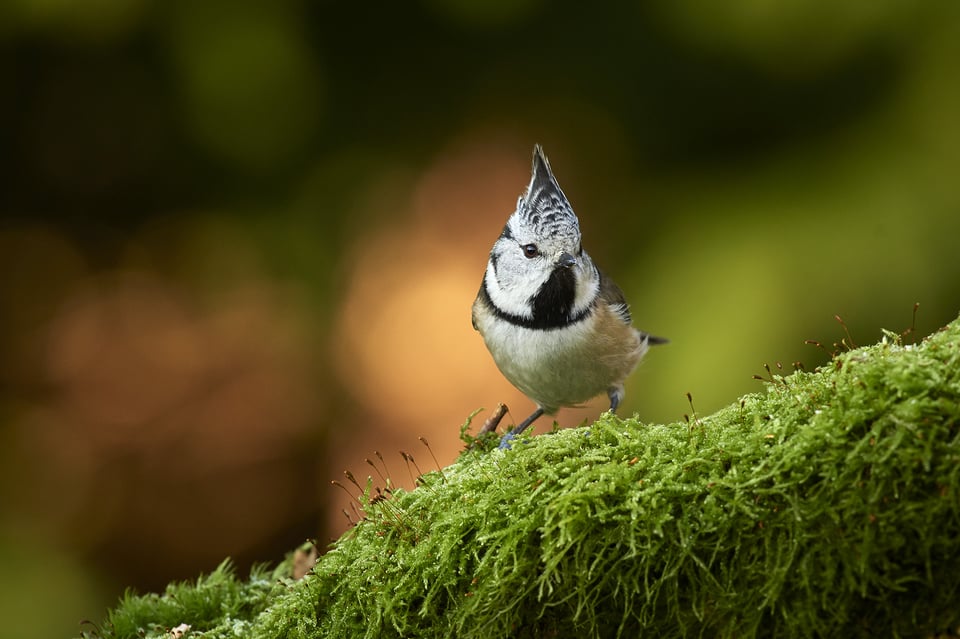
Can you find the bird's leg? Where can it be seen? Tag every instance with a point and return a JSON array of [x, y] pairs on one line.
[[615, 395], [526, 423], [505, 440]]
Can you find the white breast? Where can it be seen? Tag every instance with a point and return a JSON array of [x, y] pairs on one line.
[[565, 366]]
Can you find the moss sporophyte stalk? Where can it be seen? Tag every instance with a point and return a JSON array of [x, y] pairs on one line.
[[827, 505]]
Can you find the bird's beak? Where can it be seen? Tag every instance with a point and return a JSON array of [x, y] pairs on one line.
[[566, 260]]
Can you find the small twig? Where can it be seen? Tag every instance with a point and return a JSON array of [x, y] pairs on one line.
[[491, 423]]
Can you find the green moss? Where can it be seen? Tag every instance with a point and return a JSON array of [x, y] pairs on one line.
[[827, 505], [216, 605]]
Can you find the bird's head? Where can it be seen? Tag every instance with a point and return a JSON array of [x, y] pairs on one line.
[[538, 264]]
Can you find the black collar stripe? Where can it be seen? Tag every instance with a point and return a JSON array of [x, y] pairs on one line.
[[541, 324]]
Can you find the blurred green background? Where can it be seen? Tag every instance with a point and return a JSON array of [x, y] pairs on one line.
[[240, 240]]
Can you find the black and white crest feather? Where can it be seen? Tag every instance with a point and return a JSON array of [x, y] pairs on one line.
[[544, 207]]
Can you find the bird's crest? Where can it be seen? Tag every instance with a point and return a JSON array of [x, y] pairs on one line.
[[544, 206]]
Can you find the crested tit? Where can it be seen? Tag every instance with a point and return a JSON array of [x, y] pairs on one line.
[[558, 328]]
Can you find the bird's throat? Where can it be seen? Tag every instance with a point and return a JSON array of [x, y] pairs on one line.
[[555, 299]]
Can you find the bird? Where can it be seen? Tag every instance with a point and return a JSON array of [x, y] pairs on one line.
[[558, 328]]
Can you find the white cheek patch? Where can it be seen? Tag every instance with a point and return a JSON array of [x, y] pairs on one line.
[[513, 300], [588, 286], [511, 289]]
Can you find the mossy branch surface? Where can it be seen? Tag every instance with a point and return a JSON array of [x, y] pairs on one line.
[[827, 505]]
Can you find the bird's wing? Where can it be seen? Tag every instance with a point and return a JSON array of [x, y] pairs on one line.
[[611, 295]]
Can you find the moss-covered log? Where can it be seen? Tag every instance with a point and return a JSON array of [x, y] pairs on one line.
[[828, 505]]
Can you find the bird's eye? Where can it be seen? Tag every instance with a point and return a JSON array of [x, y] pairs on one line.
[[530, 251]]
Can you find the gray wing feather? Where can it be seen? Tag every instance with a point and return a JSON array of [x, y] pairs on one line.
[[611, 294]]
